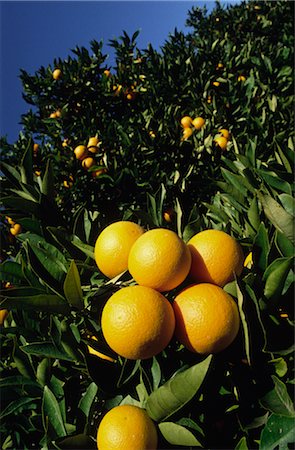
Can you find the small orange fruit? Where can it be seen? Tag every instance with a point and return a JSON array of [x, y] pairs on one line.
[[127, 427], [107, 73], [56, 74], [169, 214], [241, 78], [187, 132], [225, 133], [16, 229], [221, 142], [93, 142], [216, 257], [53, 115], [159, 259], [216, 83], [130, 96], [10, 220], [80, 152], [220, 66], [137, 322], [3, 315], [88, 162], [207, 318], [198, 123], [186, 121], [98, 172], [113, 245], [35, 148], [58, 113], [209, 99]]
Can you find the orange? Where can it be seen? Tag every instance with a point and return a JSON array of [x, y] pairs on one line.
[[127, 427], [113, 245], [35, 148], [137, 322], [225, 133], [16, 229], [220, 66], [58, 113], [53, 115], [216, 83], [3, 315], [130, 96], [221, 142], [207, 318], [169, 214], [107, 73], [216, 257], [198, 123], [80, 152], [56, 74], [10, 220], [186, 121], [93, 142], [159, 259], [88, 162], [241, 78], [98, 172], [187, 132]]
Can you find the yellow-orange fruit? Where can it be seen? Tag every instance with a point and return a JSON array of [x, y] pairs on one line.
[[216, 257], [221, 142], [88, 162], [186, 121], [113, 245], [137, 322], [207, 318], [198, 123], [56, 74], [127, 427], [159, 259], [80, 152]]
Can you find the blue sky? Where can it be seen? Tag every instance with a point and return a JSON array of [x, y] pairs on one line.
[[34, 33]]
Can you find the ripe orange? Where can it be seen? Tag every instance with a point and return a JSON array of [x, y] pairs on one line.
[[93, 142], [88, 162], [207, 318], [10, 220], [221, 142], [58, 113], [98, 172], [216, 257], [198, 123], [241, 78], [220, 66], [225, 133], [113, 245], [186, 121], [80, 152], [168, 215], [127, 427], [159, 259], [216, 83], [137, 322], [35, 148], [187, 132], [16, 229], [107, 73], [53, 115], [3, 315], [56, 74]]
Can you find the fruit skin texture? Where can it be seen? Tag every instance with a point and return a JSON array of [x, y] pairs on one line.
[[221, 142], [16, 229], [127, 427], [225, 133], [80, 152], [186, 121], [207, 318], [159, 259], [187, 132], [137, 322], [88, 162], [198, 123], [113, 245], [216, 257]]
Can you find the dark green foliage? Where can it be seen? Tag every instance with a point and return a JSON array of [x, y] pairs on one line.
[[54, 392]]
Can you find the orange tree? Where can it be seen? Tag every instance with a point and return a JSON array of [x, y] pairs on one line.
[[234, 70]]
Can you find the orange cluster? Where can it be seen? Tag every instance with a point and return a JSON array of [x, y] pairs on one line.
[[85, 154], [189, 125]]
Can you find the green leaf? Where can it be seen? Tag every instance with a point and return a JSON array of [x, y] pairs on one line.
[[281, 367], [11, 174], [278, 431], [19, 405], [272, 179], [44, 302], [72, 287], [284, 245], [11, 271], [78, 441], [45, 349], [26, 167], [178, 435], [278, 216], [47, 187], [88, 398], [288, 203], [244, 322], [237, 181], [156, 373], [20, 204], [176, 392], [51, 411], [20, 381], [242, 444], [253, 214], [278, 400], [85, 248], [275, 277], [261, 245]]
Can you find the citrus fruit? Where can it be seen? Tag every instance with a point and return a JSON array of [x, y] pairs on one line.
[[127, 427], [187, 132], [198, 123], [241, 78], [159, 259], [137, 322], [113, 245], [224, 133], [80, 152], [216, 257], [169, 214], [10, 220], [88, 162], [221, 142], [53, 115], [35, 148], [56, 74], [107, 73], [216, 83], [207, 318], [186, 121], [3, 315], [93, 142], [98, 172], [16, 229]]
